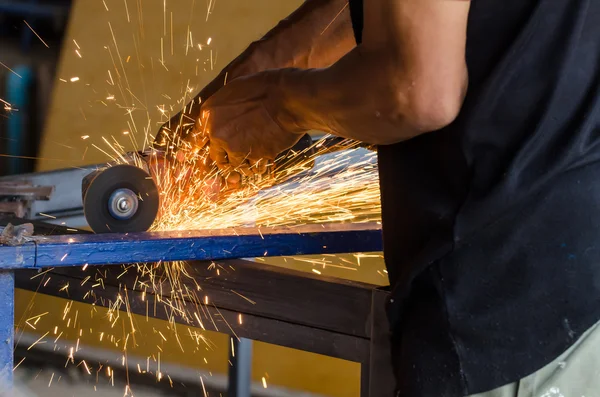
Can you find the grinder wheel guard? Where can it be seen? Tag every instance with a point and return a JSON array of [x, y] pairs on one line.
[[120, 199]]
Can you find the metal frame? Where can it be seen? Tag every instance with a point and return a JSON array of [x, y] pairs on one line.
[[349, 322]]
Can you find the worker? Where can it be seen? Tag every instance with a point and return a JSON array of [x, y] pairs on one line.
[[486, 115]]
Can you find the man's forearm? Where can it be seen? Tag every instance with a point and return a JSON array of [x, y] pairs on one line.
[[363, 96], [316, 35], [352, 99]]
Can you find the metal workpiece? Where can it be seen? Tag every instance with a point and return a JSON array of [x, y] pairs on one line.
[[17, 197], [25, 191], [64, 206], [106, 249]]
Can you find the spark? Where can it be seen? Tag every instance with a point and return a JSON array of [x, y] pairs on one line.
[[74, 79], [126, 10], [86, 367], [38, 341], [17, 366], [46, 215], [34, 32], [84, 137], [242, 296], [79, 48], [78, 53], [316, 271], [171, 33], [210, 8], [264, 382], [37, 317], [203, 388], [208, 41], [322, 188], [336, 17], [12, 71]]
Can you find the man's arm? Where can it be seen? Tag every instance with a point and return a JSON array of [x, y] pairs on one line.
[[316, 35], [408, 77]]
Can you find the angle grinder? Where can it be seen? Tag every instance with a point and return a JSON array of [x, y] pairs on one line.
[[123, 198]]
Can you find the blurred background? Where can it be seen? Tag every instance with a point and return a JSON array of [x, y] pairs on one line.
[[78, 77], [28, 84]]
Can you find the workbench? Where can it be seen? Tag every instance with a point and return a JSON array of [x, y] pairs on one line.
[[310, 312]]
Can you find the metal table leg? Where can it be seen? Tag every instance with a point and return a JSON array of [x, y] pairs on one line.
[[240, 370], [7, 307]]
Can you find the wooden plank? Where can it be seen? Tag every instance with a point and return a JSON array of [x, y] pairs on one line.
[[263, 290], [256, 327]]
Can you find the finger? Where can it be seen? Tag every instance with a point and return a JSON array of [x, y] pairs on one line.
[[218, 154], [259, 167], [244, 169], [239, 163], [233, 178]]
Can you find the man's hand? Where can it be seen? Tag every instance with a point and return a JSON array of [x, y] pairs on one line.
[[242, 127], [317, 34]]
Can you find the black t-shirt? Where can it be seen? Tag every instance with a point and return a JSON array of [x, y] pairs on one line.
[[492, 224]]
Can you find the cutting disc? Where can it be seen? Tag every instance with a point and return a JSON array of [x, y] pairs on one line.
[[120, 199]]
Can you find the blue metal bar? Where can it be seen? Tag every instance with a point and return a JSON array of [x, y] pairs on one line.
[[107, 249], [7, 321], [240, 370]]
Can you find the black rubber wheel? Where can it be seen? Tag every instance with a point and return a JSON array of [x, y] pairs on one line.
[[98, 196]]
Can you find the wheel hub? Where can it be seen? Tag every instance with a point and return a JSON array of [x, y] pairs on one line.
[[123, 203]]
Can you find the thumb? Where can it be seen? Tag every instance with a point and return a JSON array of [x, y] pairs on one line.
[[218, 154]]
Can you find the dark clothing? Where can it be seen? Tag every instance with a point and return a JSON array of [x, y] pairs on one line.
[[492, 224]]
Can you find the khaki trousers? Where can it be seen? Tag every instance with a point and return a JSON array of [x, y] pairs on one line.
[[576, 373]]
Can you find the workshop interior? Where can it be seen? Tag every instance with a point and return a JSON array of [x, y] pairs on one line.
[[127, 280]]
